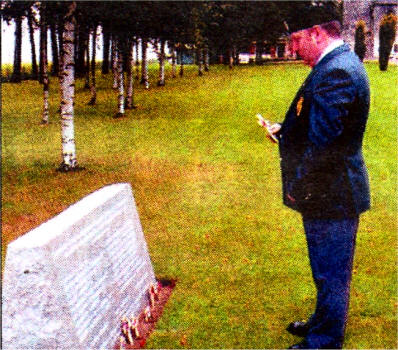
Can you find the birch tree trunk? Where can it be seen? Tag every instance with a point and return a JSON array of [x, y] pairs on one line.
[[144, 64], [199, 53], [181, 64], [81, 45], [137, 62], [46, 86], [43, 40], [173, 61], [161, 81], [130, 78], [106, 39], [16, 74], [230, 58], [54, 49], [69, 161], [120, 80], [87, 66], [60, 29], [114, 63], [32, 44], [206, 54], [93, 87]]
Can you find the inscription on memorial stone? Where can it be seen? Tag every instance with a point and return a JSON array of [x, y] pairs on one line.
[[68, 283]]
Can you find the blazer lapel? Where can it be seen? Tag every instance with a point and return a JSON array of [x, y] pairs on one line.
[[293, 109]]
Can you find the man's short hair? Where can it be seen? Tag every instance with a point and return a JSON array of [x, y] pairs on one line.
[[333, 28]]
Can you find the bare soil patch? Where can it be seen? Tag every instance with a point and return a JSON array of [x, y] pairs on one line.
[[145, 328]]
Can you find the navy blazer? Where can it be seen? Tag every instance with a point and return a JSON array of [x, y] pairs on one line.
[[320, 141]]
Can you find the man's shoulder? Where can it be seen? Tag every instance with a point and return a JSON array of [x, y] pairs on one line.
[[345, 62], [341, 58]]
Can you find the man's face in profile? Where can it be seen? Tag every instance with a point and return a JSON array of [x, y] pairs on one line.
[[304, 43]]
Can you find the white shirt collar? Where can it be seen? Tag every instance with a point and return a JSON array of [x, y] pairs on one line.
[[333, 45]]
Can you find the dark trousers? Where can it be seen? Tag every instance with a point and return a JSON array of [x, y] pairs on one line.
[[331, 245]]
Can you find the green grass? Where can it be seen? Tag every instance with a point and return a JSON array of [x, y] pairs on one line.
[[207, 186]]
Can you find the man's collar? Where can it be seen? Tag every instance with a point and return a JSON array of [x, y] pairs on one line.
[[333, 45]]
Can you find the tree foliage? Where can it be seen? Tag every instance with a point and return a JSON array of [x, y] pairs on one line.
[[388, 29], [202, 27], [360, 44], [16, 11]]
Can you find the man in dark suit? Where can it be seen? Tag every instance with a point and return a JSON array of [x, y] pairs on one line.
[[323, 172]]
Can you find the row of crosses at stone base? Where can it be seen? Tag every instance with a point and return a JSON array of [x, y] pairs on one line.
[[129, 326]]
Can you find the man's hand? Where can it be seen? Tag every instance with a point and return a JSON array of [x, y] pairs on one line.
[[272, 129]]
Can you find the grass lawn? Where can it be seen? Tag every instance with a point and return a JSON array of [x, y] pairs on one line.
[[207, 185]]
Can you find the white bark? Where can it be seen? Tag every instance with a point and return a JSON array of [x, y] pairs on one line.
[[130, 78], [173, 62], [144, 64], [46, 84], [137, 62], [181, 64], [87, 65], [161, 81], [93, 87], [114, 64], [69, 161], [120, 79], [200, 61], [206, 54]]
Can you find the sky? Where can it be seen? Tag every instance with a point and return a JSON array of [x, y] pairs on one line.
[[7, 43]]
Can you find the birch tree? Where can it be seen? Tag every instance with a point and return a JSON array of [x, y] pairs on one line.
[[46, 86], [43, 40], [16, 74], [120, 79], [93, 87], [15, 11], [230, 58], [81, 44], [60, 28], [181, 54], [137, 61], [106, 44], [130, 76], [161, 56], [31, 23], [54, 49], [87, 68], [173, 60], [199, 55], [114, 59], [144, 63], [44, 64], [206, 58], [69, 161]]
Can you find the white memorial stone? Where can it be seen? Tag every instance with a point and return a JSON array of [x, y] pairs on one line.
[[68, 282]]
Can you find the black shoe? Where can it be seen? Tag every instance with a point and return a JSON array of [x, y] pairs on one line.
[[298, 328], [302, 345]]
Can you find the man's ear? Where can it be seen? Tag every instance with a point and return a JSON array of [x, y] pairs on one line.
[[317, 33]]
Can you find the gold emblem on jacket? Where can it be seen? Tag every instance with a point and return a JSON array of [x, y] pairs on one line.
[[299, 105]]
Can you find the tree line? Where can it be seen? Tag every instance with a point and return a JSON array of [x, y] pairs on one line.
[[387, 33], [207, 29]]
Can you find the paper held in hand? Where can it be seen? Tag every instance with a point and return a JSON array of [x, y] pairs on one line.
[[266, 125]]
